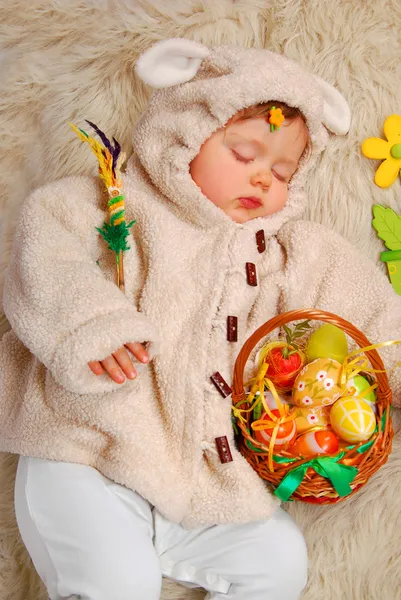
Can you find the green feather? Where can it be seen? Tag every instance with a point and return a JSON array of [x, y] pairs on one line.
[[116, 236]]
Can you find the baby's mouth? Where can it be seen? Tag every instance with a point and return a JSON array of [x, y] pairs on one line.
[[250, 202]]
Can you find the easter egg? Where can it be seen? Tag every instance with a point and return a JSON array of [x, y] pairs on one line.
[[308, 418], [283, 368], [328, 341], [313, 443], [357, 385], [285, 434], [318, 383], [271, 402], [352, 419]]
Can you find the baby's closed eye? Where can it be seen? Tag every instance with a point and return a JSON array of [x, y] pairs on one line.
[[243, 158], [281, 176], [284, 170], [281, 172]]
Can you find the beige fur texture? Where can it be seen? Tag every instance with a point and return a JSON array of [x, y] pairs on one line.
[[67, 60]]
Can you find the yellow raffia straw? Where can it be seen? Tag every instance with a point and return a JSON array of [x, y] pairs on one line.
[[352, 390], [274, 422], [258, 385], [348, 370]]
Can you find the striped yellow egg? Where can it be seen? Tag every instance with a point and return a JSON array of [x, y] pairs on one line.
[[352, 419]]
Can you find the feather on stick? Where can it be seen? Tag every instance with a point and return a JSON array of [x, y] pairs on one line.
[[110, 159]]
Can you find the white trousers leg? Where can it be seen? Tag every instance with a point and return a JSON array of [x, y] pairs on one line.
[[263, 560], [86, 536], [93, 539]]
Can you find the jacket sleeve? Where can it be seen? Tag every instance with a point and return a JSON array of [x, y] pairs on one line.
[[325, 271], [56, 297]]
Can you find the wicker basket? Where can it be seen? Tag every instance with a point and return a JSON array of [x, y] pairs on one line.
[[315, 488]]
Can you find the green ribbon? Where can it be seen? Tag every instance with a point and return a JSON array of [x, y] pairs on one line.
[[284, 459], [340, 476], [362, 448]]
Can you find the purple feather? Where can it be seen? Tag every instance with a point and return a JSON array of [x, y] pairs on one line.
[[102, 136], [116, 150]]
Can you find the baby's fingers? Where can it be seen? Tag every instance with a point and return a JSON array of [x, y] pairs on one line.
[[138, 351], [110, 365], [96, 367], [123, 359]]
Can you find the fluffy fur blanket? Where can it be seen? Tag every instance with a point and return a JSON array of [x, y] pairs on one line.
[[67, 60]]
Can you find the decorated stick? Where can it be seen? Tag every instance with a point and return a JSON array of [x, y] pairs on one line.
[[110, 159], [388, 226]]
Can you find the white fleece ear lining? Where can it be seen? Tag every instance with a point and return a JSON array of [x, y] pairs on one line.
[[336, 112], [171, 62]]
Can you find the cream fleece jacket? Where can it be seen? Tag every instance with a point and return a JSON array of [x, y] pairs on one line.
[[185, 273]]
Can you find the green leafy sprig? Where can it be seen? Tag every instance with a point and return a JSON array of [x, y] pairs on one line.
[[292, 335]]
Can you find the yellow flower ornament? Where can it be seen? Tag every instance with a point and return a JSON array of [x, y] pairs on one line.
[[276, 118], [390, 151]]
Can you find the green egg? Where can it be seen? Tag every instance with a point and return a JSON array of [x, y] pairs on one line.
[[361, 383], [328, 341]]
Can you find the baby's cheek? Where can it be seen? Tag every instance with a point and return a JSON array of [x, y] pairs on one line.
[[278, 195], [216, 186], [214, 190]]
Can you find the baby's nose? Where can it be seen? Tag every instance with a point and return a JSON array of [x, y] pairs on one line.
[[262, 179]]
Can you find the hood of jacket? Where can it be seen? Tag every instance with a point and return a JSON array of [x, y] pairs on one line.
[[196, 91]]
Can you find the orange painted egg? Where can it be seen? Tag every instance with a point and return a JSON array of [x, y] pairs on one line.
[[318, 384], [313, 443], [285, 434]]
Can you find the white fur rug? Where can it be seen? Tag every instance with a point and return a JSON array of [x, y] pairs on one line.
[[67, 60]]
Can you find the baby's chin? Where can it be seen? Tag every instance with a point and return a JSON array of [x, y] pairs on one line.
[[243, 215]]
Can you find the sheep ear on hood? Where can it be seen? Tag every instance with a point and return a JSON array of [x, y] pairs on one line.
[[336, 111], [171, 62], [177, 60]]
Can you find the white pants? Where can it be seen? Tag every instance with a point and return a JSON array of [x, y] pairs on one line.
[[93, 539]]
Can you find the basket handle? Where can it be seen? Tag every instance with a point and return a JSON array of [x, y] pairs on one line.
[[238, 392]]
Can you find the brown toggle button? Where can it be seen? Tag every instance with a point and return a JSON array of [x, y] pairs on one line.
[[260, 240], [232, 329], [221, 384], [251, 274], [223, 449]]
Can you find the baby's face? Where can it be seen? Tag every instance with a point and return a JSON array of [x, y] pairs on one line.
[[245, 168]]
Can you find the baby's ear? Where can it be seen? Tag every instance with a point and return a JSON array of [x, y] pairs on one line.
[[336, 112], [171, 62]]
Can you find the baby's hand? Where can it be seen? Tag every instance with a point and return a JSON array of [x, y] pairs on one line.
[[119, 364]]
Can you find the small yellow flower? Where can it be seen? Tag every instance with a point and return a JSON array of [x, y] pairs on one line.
[[390, 151], [276, 117]]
